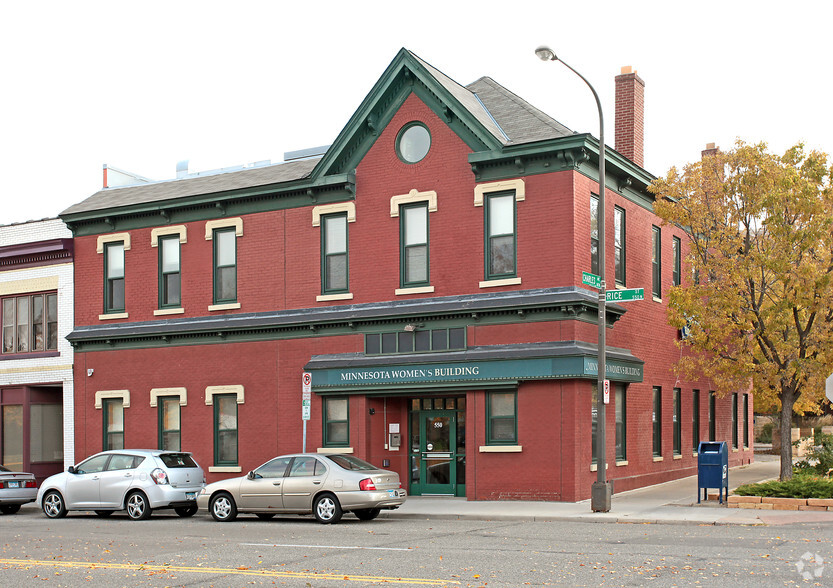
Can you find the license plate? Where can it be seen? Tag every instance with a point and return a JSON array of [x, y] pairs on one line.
[[191, 495], [393, 493], [14, 484]]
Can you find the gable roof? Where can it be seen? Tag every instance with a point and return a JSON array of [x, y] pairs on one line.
[[487, 116]]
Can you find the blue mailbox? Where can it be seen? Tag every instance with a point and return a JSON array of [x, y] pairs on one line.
[[712, 468]]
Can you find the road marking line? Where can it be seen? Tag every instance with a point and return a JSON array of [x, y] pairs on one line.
[[327, 546], [26, 563]]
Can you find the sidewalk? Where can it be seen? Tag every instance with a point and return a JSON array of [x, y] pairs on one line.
[[668, 503]]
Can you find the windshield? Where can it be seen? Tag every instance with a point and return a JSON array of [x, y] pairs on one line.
[[348, 462]]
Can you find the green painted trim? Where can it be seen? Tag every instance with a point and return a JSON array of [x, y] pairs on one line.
[[503, 371], [109, 307], [403, 248], [309, 329], [284, 196], [327, 256], [325, 422], [216, 402], [217, 267], [578, 153], [490, 417], [162, 275], [487, 257], [404, 75]]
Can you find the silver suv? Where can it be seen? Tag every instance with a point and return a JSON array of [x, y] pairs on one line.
[[136, 480]]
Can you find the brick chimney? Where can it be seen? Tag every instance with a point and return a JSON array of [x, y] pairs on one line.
[[630, 116], [709, 150]]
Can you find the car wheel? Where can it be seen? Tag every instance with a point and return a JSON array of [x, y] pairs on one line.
[[53, 505], [222, 508], [104, 513], [367, 514], [138, 507], [186, 511], [9, 508], [327, 509], [265, 516]]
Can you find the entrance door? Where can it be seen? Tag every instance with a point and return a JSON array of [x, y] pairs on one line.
[[437, 435]]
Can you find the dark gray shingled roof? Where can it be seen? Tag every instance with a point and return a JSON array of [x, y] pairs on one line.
[[502, 113], [522, 122], [194, 186]]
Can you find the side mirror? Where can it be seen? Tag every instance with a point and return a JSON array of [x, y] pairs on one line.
[[250, 475], [71, 469]]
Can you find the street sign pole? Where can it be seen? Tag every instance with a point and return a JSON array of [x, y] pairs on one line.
[[306, 399]]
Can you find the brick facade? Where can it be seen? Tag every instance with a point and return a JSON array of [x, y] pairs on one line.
[[279, 282]]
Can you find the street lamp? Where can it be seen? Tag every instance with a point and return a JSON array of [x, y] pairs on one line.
[[602, 491]]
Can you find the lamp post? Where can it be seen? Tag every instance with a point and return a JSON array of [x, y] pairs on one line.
[[602, 490]]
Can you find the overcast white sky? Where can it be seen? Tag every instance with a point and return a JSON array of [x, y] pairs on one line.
[[142, 85]]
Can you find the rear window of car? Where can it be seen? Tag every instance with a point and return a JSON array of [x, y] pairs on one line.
[[178, 460], [3, 469], [348, 462]]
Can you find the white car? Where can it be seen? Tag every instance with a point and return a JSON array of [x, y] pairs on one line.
[[16, 489], [136, 480]]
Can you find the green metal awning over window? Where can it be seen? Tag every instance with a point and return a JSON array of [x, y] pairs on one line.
[[488, 366]]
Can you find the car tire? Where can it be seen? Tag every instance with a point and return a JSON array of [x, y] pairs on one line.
[[104, 513], [186, 511], [326, 509], [266, 516], [137, 506], [9, 508], [367, 514], [53, 505], [222, 508]]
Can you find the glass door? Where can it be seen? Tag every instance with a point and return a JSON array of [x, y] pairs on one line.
[[437, 434]]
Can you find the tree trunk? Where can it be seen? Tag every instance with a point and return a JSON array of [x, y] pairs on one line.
[[787, 402]]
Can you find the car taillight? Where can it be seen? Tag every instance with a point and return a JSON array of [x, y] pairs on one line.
[[31, 484], [367, 484], [159, 476]]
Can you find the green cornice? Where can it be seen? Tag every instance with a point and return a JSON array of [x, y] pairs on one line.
[[536, 306], [335, 188], [578, 153]]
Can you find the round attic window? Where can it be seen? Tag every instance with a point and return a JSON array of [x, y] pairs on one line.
[[413, 143]]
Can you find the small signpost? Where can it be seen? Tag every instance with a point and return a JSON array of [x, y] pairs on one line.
[[607, 392], [306, 403]]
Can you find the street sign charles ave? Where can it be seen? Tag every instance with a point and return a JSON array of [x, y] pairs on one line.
[[627, 295], [591, 280]]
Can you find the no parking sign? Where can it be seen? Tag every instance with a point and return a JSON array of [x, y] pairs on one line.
[[306, 395]]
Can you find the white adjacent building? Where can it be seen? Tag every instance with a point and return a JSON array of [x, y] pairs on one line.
[[36, 360]]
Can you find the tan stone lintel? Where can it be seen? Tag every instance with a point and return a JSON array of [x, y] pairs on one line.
[[413, 196], [180, 230], [182, 393], [212, 391], [223, 223], [516, 185], [100, 395], [325, 209], [112, 238]]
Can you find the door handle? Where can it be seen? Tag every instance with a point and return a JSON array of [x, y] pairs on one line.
[[276, 483], [128, 475], [316, 481], [95, 477]]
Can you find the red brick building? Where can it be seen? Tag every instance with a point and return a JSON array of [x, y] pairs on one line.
[[426, 270]]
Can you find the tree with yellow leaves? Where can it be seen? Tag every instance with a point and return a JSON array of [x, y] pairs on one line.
[[759, 304]]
